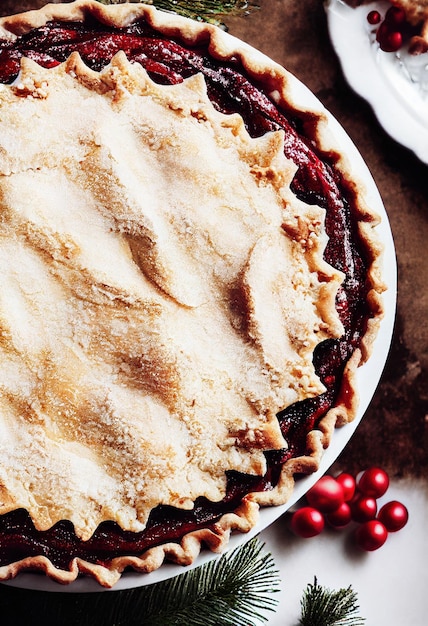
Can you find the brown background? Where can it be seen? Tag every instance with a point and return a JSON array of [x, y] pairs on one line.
[[394, 433]]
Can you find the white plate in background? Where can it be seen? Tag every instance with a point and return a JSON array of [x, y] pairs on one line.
[[394, 84]]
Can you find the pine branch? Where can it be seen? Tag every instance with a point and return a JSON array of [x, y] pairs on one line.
[[230, 591], [324, 607], [211, 11]]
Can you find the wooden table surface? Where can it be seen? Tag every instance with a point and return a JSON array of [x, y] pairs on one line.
[[394, 432]]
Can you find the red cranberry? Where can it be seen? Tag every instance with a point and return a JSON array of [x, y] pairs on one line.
[[373, 482], [326, 495], [393, 515], [307, 522], [348, 485], [391, 42], [371, 535], [373, 17], [340, 517], [395, 16], [363, 508]]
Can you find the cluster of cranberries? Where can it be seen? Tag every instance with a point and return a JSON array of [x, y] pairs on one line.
[[391, 30], [344, 499]]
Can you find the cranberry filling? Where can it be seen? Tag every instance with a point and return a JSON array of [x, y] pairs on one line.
[[316, 181]]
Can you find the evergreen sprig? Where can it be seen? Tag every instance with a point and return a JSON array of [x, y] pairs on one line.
[[202, 10], [325, 607], [233, 590]]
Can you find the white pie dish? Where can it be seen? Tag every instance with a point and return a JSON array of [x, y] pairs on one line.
[[368, 377]]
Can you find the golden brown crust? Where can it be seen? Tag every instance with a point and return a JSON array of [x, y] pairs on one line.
[[276, 80]]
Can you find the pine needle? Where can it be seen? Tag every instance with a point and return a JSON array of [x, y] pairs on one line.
[[203, 10], [324, 607], [230, 591]]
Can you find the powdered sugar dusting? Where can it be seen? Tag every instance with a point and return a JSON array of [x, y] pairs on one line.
[[130, 375]]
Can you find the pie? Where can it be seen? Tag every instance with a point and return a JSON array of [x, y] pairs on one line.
[[190, 278]]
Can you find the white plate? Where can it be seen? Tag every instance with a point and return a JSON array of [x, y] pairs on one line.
[[368, 377], [394, 84]]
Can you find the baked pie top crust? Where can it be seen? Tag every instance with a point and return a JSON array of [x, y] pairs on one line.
[[163, 290], [134, 379]]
